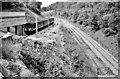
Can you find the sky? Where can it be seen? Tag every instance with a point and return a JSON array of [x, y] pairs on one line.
[[48, 2]]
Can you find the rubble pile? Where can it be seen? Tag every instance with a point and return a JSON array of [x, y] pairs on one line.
[[43, 60], [10, 63], [54, 55]]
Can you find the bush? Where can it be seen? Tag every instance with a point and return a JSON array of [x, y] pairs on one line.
[[75, 16], [109, 32], [65, 14]]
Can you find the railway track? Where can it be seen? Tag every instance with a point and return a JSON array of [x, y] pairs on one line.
[[94, 60], [102, 59]]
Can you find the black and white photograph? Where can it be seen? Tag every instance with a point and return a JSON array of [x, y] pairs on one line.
[[59, 39]]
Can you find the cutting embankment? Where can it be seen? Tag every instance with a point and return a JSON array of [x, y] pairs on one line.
[[100, 20], [55, 54]]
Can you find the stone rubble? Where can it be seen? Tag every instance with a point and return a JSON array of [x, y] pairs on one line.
[[54, 55]]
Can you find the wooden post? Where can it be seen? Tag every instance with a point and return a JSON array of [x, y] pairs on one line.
[[0, 48], [21, 30], [36, 25], [16, 30], [8, 29]]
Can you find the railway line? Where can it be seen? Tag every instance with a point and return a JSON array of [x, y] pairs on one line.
[[102, 59], [93, 59]]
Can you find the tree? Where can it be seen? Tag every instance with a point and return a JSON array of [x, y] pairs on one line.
[[44, 8]]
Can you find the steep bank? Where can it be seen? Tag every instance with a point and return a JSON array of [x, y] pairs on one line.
[[98, 19]]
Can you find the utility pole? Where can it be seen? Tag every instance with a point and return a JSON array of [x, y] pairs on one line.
[[36, 25]]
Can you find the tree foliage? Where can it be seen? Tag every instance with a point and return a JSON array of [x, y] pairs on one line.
[[99, 15]]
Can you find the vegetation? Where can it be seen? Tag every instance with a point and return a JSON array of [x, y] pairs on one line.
[[34, 6], [96, 15], [9, 5]]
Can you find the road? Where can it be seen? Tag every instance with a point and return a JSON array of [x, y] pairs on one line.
[[103, 60]]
